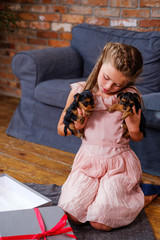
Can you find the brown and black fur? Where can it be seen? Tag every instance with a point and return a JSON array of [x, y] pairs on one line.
[[126, 100], [84, 101]]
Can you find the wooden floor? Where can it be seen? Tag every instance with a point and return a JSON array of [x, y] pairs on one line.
[[28, 162]]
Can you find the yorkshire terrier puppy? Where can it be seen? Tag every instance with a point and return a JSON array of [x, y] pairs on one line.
[[84, 101], [126, 100]]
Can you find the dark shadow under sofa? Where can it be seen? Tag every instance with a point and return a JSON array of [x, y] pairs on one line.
[[45, 76]]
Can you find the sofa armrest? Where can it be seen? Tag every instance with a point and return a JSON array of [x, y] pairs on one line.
[[45, 64]]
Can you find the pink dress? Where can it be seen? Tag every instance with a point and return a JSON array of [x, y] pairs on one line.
[[103, 185]]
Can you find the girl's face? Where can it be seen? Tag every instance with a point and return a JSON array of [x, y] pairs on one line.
[[110, 80]]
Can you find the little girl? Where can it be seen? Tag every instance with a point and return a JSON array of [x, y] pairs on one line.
[[104, 184]]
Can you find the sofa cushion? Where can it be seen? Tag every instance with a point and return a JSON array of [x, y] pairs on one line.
[[54, 92], [143, 90], [89, 41], [152, 110]]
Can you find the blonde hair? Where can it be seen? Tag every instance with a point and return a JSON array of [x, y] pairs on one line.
[[125, 58]]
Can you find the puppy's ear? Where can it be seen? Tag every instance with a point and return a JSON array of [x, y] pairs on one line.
[[76, 97], [137, 97], [135, 94]]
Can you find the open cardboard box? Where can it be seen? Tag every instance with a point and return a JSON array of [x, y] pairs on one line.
[[14, 195]]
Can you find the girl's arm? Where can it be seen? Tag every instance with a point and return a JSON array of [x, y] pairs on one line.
[[133, 122], [60, 127]]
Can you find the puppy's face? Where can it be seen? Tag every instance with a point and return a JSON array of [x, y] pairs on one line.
[[86, 101], [128, 99]]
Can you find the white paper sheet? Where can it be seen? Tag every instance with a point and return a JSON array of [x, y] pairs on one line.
[[16, 196]]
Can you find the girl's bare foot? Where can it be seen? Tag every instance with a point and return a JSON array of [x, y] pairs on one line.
[[149, 199]]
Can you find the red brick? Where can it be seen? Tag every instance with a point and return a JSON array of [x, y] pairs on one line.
[[2, 81], [46, 1], [124, 3], [149, 23], [156, 12], [8, 53], [26, 32], [57, 43], [37, 41], [78, 2], [60, 9], [69, 18], [10, 91], [123, 22], [4, 68], [97, 21], [149, 3], [22, 24], [5, 60], [3, 89], [65, 27], [36, 8], [65, 36], [12, 84], [28, 16], [14, 7], [16, 39], [107, 12], [47, 34], [6, 75], [22, 1], [139, 13], [101, 3], [22, 47], [80, 10], [7, 45], [50, 17], [17, 93], [40, 25]]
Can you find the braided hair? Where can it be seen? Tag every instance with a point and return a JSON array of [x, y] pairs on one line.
[[125, 58]]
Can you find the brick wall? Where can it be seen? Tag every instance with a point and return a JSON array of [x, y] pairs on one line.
[[48, 23]]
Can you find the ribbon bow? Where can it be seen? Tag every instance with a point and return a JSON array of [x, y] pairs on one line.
[[59, 228]]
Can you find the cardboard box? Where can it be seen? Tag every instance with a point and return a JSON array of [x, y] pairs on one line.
[[25, 222], [15, 196]]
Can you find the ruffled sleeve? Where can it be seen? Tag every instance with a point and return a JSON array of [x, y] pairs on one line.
[[78, 87]]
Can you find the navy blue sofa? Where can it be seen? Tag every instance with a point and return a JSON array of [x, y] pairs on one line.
[[45, 76]]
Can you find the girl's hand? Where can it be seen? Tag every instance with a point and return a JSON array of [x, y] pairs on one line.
[[133, 122], [78, 125]]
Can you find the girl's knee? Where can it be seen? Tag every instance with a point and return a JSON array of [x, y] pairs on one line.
[[73, 219], [100, 226]]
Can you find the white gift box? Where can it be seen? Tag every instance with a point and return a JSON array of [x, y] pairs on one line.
[[14, 195]]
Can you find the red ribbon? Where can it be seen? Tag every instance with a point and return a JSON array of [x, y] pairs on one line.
[[59, 228]]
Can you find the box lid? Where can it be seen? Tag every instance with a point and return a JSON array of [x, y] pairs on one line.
[[24, 222]]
